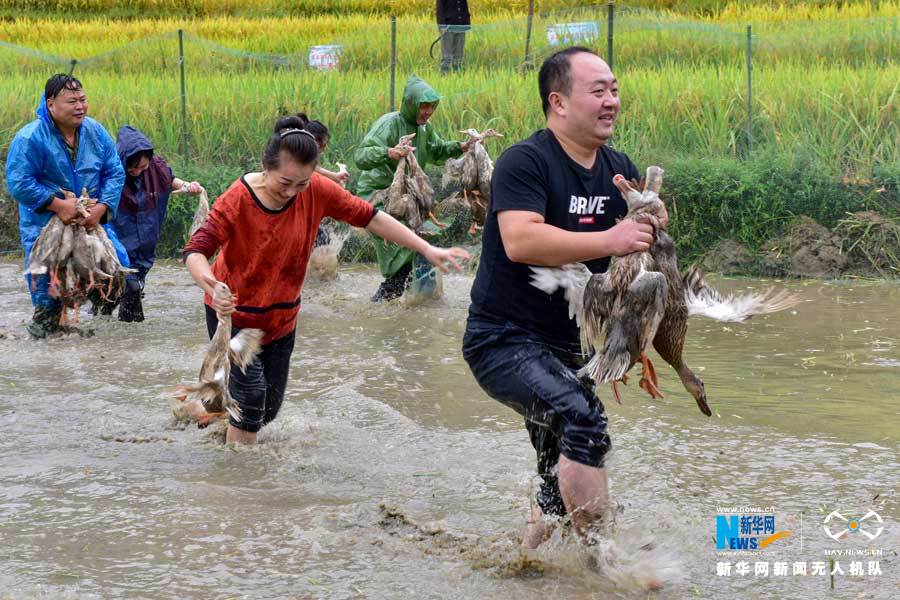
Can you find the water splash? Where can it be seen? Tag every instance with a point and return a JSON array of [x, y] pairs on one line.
[[323, 262]]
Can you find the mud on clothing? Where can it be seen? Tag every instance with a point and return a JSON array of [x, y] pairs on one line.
[[263, 253], [520, 343]]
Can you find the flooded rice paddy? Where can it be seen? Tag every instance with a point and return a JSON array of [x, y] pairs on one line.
[[390, 474]]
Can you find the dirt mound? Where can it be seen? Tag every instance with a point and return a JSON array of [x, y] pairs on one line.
[[804, 249], [729, 258], [871, 243]]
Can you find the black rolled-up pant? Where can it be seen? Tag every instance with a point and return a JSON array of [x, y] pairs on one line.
[[259, 389], [562, 413]]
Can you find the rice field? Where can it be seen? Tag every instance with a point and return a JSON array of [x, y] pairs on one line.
[[825, 88], [825, 78], [824, 119], [788, 9]]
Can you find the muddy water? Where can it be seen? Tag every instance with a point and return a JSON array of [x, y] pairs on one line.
[[389, 474]]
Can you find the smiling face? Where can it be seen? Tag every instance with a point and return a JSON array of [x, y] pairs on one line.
[[426, 109], [288, 179], [68, 108], [588, 112]]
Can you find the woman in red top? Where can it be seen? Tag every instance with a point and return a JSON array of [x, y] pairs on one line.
[[264, 227]]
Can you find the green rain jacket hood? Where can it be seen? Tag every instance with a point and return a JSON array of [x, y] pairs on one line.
[[376, 169]]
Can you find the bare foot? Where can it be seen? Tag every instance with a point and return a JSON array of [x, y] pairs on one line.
[[648, 583], [537, 531]]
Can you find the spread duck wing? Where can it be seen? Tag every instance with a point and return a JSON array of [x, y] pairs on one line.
[[701, 299]]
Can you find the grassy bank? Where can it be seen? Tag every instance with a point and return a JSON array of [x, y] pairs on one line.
[[709, 200]]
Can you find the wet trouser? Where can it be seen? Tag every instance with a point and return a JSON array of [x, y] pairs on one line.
[[394, 286], [39, 289], [131, 308], [562, 413], [259, 389], [452, 45]]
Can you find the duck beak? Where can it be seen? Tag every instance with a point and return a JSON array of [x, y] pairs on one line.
[[702, 404]]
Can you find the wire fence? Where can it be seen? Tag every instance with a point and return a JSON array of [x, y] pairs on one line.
[[209, 93]]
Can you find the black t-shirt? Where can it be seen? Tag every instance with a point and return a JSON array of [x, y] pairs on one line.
[[537, 175]]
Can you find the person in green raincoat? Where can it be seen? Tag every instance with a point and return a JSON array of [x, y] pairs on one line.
[[377, 157]]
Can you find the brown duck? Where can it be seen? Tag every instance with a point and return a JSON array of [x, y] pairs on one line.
[[410, 197], [473, 170], [77, 260], [622, 308], [209, 398], [631, 313]]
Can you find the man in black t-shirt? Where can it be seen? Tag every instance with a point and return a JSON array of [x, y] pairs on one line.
[[553, 203]]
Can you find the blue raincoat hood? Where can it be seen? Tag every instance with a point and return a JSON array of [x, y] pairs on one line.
[[130, 141], [43, 113]]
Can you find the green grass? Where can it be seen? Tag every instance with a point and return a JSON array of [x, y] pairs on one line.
[[825, 93]]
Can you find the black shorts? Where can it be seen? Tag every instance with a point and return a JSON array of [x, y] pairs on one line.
[[259, 389], [562, 413]]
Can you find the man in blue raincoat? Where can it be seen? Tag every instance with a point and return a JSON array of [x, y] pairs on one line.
[[50, 161], [142, 209]]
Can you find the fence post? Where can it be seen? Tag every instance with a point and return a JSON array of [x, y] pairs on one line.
[[393, 57], [72, 64], [528, 31], [749, 89], [610, 17], [184, 125]]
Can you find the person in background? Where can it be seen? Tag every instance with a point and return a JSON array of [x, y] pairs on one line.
[[50, 161], [142, 211], [453, 22], [320, 133], [377, 157], [262, 231]]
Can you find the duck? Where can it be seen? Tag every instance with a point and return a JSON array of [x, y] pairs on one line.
[[635, 319], [410, 197], [620, 310], [77, 261], [209, 399], [473, 170], [199, 213]]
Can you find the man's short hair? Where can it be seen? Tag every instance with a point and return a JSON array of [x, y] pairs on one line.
[[554, 75], [58, 83]]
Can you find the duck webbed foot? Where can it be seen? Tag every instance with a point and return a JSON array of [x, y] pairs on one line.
[[434, 220], [206, 419], [649, 380], [615, 388]]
